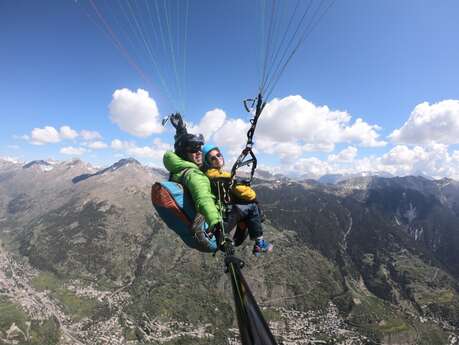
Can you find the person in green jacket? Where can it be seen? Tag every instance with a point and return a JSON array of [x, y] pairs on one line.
[[187, 160]]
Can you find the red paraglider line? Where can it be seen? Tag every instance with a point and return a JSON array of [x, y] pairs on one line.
[[118, 44]]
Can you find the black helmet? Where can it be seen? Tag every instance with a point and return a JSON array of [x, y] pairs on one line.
[[185, 141]]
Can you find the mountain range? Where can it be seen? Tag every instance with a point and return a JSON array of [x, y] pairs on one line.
[[84, 259]]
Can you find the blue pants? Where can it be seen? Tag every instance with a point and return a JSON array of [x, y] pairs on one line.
[[250, 214]]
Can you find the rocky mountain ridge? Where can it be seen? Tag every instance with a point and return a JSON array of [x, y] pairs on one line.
[[380, 252]]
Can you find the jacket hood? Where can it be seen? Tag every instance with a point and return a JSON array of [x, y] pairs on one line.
[[174, 164]]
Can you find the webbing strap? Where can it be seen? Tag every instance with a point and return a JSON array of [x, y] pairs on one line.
[[247, 151]]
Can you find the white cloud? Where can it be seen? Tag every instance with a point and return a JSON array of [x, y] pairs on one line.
[[66, 132], [310, 167], [317, 147], [362, 132], [433, 160], [292, 126], [135, 112], [232, 135], [145, 152], [90, 135], [97, 145], [117, 144], [402, 154], [155, 151], [345, 156], [210, 123], [427, 123], [46, 135], [285, 151], [289, 127], [316, 128], [160, 145], [10, 159], [50, 135], [222, 131], [72, 151]]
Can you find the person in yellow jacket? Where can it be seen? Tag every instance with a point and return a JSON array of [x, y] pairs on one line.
[[244, 205]]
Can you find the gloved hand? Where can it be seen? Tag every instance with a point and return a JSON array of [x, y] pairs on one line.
[[223, 244], [217, 231], [177, 121]]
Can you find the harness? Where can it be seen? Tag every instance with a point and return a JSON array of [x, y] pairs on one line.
[[222, 187], [247, 157], [175, 206]]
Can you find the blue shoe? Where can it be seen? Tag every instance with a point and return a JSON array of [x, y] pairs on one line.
[[262, 246]]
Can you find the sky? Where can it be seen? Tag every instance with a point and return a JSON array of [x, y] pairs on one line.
[[373, 87]]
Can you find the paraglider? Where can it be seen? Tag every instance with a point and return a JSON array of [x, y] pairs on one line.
[[157, 32]]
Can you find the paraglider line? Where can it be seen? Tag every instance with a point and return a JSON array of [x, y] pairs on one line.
[[306, 33], [171, 46], [268, 41], [147, 46], [118, 44], [289, 45], [158, 70], [185, 50]]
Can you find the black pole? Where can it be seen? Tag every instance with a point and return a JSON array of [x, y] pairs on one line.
[[253, 328]]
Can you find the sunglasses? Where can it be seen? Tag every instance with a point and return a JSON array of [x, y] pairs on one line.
[[216, 157], [193, 149]]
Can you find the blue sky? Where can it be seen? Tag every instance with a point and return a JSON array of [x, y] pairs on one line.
[[379, 61]]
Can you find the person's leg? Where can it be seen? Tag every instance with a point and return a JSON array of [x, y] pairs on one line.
[[234, 217], [241, 233], [250, 215], [261, 212], [253, 221], [252, 218]]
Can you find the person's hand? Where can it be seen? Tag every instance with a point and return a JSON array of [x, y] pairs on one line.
[[177, 121], [217, 231], [216, 228]]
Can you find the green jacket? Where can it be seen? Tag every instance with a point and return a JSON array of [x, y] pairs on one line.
[[197, 183]]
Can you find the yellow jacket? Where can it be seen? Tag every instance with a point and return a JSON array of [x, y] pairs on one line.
[[240, 191]]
